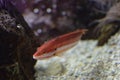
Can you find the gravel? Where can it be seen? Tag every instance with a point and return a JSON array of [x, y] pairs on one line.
[[85, 61]]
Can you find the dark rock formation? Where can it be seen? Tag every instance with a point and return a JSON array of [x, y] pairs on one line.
[[108, 25], [17, 44]]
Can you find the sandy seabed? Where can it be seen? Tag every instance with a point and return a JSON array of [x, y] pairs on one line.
[[85, 61]]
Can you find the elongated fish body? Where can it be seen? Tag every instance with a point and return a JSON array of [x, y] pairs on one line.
[[58, 44]]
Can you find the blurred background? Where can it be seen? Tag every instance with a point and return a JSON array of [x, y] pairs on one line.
[[50, 18]]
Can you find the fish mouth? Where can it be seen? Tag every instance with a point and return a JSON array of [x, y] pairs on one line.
[[36, 57], [43, 56]]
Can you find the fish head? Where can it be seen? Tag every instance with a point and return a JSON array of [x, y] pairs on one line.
[[44, 52]]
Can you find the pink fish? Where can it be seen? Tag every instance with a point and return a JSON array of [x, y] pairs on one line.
[[58, 45]]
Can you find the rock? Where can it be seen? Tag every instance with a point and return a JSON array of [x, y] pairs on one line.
[[108, 25], [17, 44], [49, 67]]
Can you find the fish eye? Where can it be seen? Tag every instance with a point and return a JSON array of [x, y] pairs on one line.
[[44, 52], [54, 54]]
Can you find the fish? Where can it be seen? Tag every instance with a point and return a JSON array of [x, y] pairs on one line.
[[58, 45]]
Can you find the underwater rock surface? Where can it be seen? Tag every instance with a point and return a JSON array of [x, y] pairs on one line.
[[85, 61]]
